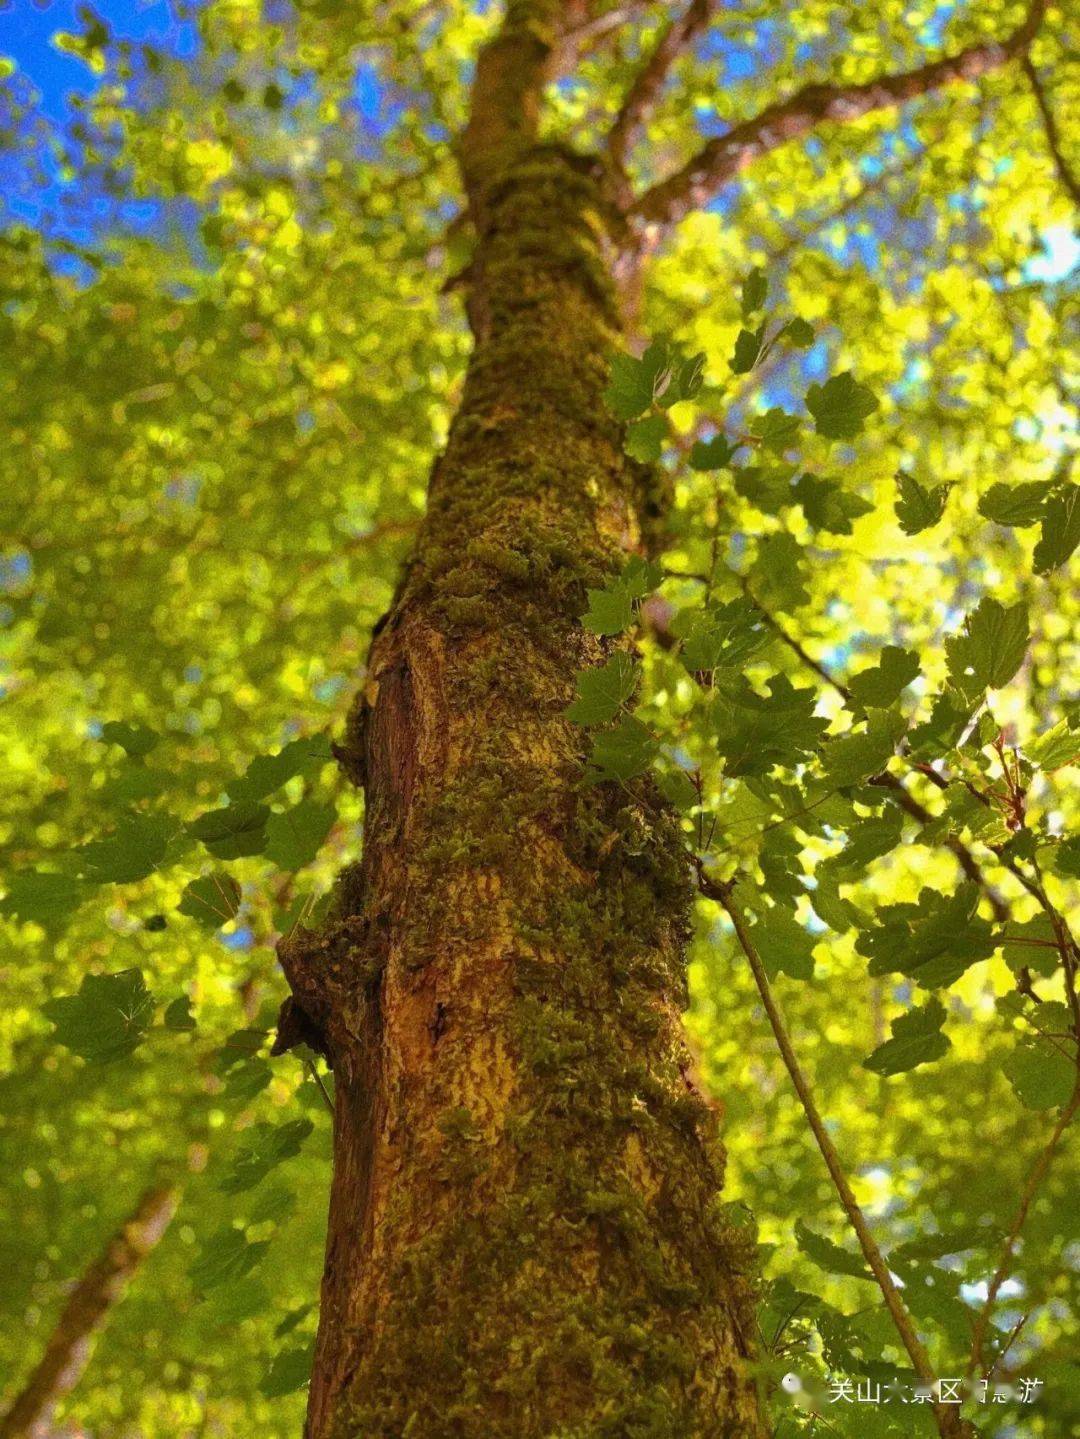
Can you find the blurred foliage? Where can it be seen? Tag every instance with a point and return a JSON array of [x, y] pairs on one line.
[[229, 356]]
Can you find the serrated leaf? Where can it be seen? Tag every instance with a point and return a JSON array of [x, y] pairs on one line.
[[919, 508], [784, 944], [777, 576], [990, 650], [756, 732], [106, 1019], [225, 1258], [623, 752], [721, 635], [602, 691], [268, 772], [645, 439], [714, 454], [212, 900], [827, 505], [755, 288], [132, 851], [828, 1256], [289, 1371], [268, 1145], [1060, 530], [776, 429], [295, 836], [237, 830], [1041, 1076], [634, 384], [798, 332], [933, 942], [640, 577], [841, 406], [134, 740], [1030, 944], [178, 1014], [42, 897], [862, 752], [916, 1039], [610, 611], [1066, 859], [1055, 747], [747, 349], [883, 684], [1014, 504]]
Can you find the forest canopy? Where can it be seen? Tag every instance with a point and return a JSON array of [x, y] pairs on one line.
[[839, 655]]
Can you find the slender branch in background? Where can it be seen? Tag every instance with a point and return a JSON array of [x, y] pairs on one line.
[[87, 1309], [723, 157], [1053, 135], [641, 98], [948, 1421], [1035, 1178]]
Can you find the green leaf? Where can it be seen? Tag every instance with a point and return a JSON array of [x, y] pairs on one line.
[[134, 740], [1066, 859], [623, 752], [235, 831], [827, 505], [784, 944], [132, 851], [1041, 1076], [611, 610], [776, 429], [295, 836], [840, 406], [645, 439], [1060, 530], [41, 897], [687, 377], [225, 1258], [917, 508], [828, 1256], [755, 288], [289, 1371], [882, 685], [1014, 504], [640, 577], [942, 731], [267, 773], [862, 752], [1029, 944], [212, 900], [798, 332], [756, 732], [106, 1019], [916, 1039], [602, 692], [1054, 748], [178, 1014], [934, 941], [714, 454], [268, 1145], [991, 649], [634, 384], [747, 349], [725, 636], [777, 576]]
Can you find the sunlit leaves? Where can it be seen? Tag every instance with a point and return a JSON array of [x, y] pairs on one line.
[[1042, 1076], [883, 684], [294, 836], [106, 1019], [662, 376], [990, 650], [1014, 504], [224, 1258], [784, 944], [1060, 530], [932, 941], [864, 751], [754, 732], [267, 773], [829, 1256]]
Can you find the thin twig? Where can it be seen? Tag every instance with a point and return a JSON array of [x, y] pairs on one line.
[[723, 894], [1053, 136]]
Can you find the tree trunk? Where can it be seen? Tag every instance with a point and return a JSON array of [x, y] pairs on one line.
[[86, 1311], [524, 1236]]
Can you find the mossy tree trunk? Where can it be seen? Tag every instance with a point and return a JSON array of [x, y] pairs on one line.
[[525, 1237]]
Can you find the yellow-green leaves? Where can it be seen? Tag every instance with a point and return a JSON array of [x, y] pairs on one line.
[[918, 507], [883, 684], [602, 692], [990, 650], [841, 406]]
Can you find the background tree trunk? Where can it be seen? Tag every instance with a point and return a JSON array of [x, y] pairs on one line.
[[86, 1311], [525, 1237]]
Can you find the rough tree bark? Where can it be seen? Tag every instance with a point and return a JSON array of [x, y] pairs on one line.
[[525, 1237], [86, 1311]]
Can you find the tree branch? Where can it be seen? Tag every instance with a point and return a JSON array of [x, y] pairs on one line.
[[1053, 136], [725, 156], [948, 1421], [86, 1311], [642, 95]]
